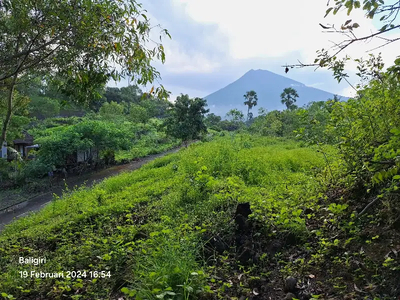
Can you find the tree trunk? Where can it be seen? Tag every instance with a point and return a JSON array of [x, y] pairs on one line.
[[9, 110]]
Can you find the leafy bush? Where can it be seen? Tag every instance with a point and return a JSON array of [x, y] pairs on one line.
[[276, 123], [138, 114], [111, 110], [37, 168], [4, 170], [44, 107], [152, 222], [367, 130], [58, 143]]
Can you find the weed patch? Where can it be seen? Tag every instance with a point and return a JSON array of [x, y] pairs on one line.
[[240, 216]]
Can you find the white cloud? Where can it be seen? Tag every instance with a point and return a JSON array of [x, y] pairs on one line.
[[180, 61], [266, 29], [178, 90], [179, 57], [223, 39], [315, 85], [348, 92]]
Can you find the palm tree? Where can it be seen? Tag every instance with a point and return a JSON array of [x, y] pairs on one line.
[[288, 97], [251, 100]]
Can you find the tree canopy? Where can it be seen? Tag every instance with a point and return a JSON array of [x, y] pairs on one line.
[[81, 43], [186, 118], [235, 115], [288, 97]]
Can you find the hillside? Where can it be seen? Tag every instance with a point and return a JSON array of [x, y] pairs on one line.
[[268, 86], [151, 231], [238, 217]]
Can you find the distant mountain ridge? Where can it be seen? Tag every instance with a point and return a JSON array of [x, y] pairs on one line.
[[268, 87]]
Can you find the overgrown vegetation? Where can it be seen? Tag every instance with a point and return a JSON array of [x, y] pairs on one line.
[[295, 204], [231, 217], [122, 126], [153, 229]]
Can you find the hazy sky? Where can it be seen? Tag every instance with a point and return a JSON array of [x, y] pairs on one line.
[[214, 42]]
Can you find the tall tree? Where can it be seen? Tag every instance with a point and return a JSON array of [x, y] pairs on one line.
[[128, 94], [234, 120], [288, 97], [186, 118], [251, 100], [43, 107], [20, 112], [111, 110], [235, 115], [212, 120], [85, 43]]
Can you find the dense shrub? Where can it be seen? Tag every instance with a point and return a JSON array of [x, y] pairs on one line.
[[44, 107], [58, 143]]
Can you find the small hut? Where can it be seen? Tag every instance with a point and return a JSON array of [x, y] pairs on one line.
[[21, 145]]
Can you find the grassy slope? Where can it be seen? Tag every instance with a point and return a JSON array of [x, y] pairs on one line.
[[170, 231], [146, 146]]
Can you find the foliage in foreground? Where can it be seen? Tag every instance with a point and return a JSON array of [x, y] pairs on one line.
[[172, 230], [149, 228]]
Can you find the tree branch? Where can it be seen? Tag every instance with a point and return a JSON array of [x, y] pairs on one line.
[[346, 43], [30, 50], [387, 43], [35, 62], [368, 206]]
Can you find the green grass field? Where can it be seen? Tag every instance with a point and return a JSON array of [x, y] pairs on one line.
[[168, 230]]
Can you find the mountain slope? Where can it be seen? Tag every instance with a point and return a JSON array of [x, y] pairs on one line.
[[268, 86]]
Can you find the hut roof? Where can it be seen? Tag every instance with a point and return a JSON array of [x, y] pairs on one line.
[[28, 140]]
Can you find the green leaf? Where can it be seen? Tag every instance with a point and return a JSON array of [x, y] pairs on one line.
[[161, 296], [371, 14], [380, 176], [328, 11], [349, 10], [396, 177], [395, 131], [367, 6]]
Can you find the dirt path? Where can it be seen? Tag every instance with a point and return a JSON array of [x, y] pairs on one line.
[[38, 202]]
